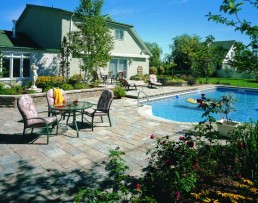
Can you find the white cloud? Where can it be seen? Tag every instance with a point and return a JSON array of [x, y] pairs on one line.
[[123, 11], [177, 2]]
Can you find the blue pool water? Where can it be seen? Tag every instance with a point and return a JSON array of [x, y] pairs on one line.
[[177, 108]]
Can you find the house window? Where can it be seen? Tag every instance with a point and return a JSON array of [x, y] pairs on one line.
[[117, 65], [119, 34], [16, 65]]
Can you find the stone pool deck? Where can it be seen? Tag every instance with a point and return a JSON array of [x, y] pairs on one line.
[[31, 171]]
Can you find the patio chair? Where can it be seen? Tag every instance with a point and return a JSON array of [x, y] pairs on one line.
[[103, 76], [31, 119], [52, 99], [153, 81], [126, 84], [102, 109]]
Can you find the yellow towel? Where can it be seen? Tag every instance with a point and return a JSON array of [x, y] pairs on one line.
[[58, 97]]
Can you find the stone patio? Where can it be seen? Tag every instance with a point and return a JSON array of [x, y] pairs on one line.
[[31, 171]]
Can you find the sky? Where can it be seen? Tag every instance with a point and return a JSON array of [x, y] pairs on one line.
[[154, 20]]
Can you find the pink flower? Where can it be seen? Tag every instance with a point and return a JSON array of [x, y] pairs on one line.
[[195, 166], [152, 136], [168, 162], [182, 138], [199, 101], [177, 195], [242, 145], [190, 144], [138, 187]]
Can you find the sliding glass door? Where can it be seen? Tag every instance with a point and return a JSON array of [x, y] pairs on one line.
[[117, 65]]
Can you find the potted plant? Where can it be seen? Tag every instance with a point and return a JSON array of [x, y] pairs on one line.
[[225, 106]]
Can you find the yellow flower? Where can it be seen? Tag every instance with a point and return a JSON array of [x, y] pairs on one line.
[[249, 182], [196, 195], [254, 190], [207, 199], [211, 200], [223, 194]]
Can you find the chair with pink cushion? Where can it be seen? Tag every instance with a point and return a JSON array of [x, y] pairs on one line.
[[31, 118], [153, 81]]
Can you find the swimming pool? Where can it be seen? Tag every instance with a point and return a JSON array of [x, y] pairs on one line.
[[177, 108]]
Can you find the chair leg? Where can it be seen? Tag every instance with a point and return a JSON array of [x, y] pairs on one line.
[[31, 130], [56, 128], [101, 119], [23, 131], [92, 123], [68, 118], [47, 134], [109, 119]]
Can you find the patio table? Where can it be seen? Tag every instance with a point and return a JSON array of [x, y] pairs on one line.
[[73, 107]]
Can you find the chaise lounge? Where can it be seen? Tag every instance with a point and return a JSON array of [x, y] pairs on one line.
[[153, 81]]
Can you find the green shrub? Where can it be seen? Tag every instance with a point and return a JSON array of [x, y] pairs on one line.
[[191, 80], [66, 86], [11, 89], [76, 78], [161, 70], [153, 70], [95, 83], [136, 77], [119, 92], [80, 86]]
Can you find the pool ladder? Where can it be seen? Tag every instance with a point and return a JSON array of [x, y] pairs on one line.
[[146, 96]]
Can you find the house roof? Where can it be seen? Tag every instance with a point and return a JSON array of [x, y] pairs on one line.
[[107, 17], [225, 44], [21, 40]]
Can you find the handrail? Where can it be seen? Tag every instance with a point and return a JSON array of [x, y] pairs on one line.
[[143, 97]]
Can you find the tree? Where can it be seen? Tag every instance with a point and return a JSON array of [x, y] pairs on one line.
[[206, 58], [92, 42], [156, 52], [191, 54], [244, 59], [231, 9], [182, 48], [65, 52]]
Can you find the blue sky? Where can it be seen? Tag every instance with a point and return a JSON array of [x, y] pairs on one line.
[[154, 21]]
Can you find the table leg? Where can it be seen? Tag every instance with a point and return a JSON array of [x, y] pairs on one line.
[[75, 123]]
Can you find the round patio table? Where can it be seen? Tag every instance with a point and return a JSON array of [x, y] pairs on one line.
[[73, 107]]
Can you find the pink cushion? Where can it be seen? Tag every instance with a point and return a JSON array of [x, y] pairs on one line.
[[28, 111], [90, 112]]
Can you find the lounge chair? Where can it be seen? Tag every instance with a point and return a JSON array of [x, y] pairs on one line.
[[126, 84], [153, 81], [102, 108], [31, 119]]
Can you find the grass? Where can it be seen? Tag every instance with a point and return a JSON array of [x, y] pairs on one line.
[[233, 82]]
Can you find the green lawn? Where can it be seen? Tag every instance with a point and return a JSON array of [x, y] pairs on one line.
[[232, 82]]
